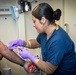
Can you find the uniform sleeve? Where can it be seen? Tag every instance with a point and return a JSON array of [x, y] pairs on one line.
[[56, 52]]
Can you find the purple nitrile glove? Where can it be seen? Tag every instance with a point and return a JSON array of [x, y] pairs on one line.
[[26, 54], [15, 43]]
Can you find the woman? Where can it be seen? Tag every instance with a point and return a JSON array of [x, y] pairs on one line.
[[57, 47]]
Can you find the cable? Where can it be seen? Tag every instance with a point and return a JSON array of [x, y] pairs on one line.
[[34, 1]]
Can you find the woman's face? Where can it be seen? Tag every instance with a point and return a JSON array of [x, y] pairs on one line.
[[38, 25]]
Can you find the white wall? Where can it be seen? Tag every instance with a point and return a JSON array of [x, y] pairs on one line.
[[70, 18]]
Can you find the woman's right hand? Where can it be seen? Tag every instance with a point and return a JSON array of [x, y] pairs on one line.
[[26, 54]]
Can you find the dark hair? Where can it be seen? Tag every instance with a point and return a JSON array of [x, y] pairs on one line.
[[45, 10]]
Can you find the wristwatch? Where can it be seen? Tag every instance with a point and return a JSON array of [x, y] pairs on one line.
[[23, 63]]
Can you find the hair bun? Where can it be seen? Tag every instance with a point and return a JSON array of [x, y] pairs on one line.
[[57, 14]]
